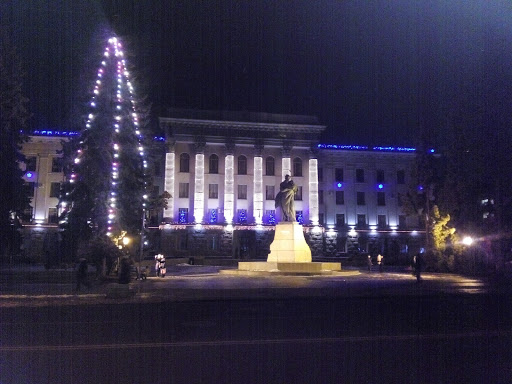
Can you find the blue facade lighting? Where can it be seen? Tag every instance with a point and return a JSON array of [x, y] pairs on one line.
[[213, 216], [300, 218], [29, 175], [380, 186], [366, 148], [339, 185]]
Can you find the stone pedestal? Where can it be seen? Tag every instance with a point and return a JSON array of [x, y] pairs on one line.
[[289, 255], [289, 245]]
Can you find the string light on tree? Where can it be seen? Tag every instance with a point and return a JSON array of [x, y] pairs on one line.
[[113, 94]]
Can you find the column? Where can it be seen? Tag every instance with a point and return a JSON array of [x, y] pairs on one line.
[[199, 189], [169, 185], [286, 163], [313, 191], [229, 188], [258, 189]]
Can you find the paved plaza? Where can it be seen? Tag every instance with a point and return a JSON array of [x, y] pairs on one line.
[[23, 287]]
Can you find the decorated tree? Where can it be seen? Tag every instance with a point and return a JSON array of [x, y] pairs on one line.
[[13, 117], [107, 166]]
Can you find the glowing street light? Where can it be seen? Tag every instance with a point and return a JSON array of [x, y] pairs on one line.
[[468, 240]]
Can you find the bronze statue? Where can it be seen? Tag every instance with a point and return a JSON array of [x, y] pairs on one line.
[[284, 199]]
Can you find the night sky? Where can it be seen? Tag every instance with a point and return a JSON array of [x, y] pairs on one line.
[[372, 71]]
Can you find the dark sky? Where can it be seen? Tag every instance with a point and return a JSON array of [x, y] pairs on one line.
[[372, 71]]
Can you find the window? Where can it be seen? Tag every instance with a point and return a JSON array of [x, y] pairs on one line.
[[30, 188], [297, 167], [30, 163], [341, 245], [361, 220], [54, 189], [269, 166], [361, 198], [338, 174], [402, 221], [380, 176], [214, 164], [340, 219], [320, 174], [400, 176], [157, 170], [320, 197], [213, 191], [53, 216], [381, 221], [359, 175], [363, 244], [183, 241], [57, 164], [27, 214], [298, 194], [213, 243], [183, 192], [270, 193], [242, 192], [242, 165], [184, 162], [399, 200], [381, 199], [321, 219], [340, 197], [183, 215]]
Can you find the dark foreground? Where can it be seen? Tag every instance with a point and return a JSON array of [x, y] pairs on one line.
[[441, 337]]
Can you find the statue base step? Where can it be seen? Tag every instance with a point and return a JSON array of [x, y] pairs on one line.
[[265, 268]]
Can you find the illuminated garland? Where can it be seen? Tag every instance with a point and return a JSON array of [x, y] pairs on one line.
[[113, 64]]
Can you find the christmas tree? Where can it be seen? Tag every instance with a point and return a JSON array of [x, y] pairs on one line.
[[107, 166]]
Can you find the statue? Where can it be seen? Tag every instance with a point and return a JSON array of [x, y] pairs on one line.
[[284, 199]]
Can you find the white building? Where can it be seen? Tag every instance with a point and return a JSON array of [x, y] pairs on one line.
[[223, 171]]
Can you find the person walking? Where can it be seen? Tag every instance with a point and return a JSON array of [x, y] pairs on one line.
[[81, 274], [380, 261], [163, 269], [369, 262], [418, 266], [157, 264]]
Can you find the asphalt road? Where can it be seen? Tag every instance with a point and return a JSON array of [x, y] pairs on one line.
[[205, 328]]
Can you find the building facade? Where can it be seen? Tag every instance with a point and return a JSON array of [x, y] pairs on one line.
[[223, 170]]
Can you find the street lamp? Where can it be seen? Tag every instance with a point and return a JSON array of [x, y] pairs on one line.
[[467, 240]]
